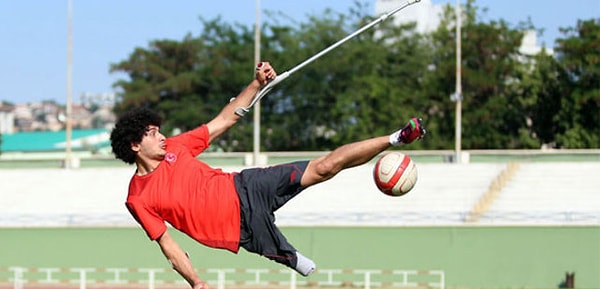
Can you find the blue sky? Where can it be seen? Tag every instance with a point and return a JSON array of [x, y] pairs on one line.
[[33, 54]]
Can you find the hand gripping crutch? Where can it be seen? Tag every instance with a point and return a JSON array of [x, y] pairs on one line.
[[241, 111]]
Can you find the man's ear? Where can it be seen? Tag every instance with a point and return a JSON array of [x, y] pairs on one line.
[[136, 147]]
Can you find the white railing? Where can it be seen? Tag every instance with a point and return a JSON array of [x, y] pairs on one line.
[[402, 218], [152, 278]]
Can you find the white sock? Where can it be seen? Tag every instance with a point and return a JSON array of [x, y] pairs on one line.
[[395, 138], [304, 265]]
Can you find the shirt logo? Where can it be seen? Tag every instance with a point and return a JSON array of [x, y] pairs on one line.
[[171, 157]]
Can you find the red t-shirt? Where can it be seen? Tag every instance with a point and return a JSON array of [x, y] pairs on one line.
[[188, 194]]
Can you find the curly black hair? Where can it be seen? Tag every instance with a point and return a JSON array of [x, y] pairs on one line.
[[130, 129]]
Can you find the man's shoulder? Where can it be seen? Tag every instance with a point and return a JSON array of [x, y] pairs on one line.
[[199, 131]]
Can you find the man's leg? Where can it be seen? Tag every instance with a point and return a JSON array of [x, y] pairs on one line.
[[262, 191], [358, 153]]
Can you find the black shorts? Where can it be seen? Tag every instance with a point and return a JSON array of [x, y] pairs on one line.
[[262, 191]]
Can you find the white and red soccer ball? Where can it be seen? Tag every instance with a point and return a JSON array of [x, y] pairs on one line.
[[395, 174]]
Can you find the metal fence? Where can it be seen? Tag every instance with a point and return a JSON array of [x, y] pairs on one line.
[[327, 219], [153, 278]]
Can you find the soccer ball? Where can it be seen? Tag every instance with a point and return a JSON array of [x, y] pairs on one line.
[[395, 174]]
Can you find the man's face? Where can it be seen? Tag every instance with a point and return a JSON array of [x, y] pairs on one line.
[[152, 146]]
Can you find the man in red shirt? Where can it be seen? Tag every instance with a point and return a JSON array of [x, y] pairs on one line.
[[219, 209]]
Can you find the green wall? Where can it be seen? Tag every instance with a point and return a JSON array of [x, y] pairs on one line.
[[471, 257]]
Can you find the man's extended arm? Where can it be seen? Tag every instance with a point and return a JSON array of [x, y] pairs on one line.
[[227, 117], [180, 261]]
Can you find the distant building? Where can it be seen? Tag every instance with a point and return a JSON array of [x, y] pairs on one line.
[[427, 17], [7, 119], [104, 117], [51, 116], [425, 14], [529, 44], [38, 116], [81, 117]]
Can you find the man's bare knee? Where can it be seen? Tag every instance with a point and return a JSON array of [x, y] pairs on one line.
[[319, 170], [326, 169]]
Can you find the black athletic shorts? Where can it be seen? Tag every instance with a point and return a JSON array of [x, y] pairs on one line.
[[262, 191]]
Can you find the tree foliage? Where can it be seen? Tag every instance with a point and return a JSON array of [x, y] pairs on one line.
[[191, 80], [372, 84], [579, 54]]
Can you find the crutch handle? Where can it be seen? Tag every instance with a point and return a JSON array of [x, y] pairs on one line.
[[241, 111]]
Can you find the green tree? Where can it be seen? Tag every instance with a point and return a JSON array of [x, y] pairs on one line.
[[579, 54], [370, 85], [491, 114], [363, 88], [542, 101], [190, 81], [295, 111]]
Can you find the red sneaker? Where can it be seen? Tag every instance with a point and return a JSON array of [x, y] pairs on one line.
[[412, 131]]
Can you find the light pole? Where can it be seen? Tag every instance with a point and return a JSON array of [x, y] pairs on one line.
[[458, 93], [69, 109], [256, 150]]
